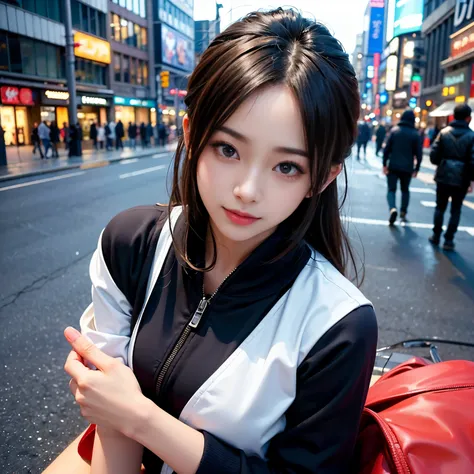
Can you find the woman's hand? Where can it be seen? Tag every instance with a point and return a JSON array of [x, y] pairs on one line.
[[110, 396]]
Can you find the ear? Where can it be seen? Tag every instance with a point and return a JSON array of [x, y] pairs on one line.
[[186, 130], [333, 174]]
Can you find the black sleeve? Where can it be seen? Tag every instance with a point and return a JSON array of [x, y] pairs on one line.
[[471, 162], [418, 151], [323, 421], [388, 149], [435, 153], [126, 245]]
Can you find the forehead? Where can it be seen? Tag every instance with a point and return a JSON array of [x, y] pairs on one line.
[[270, 116]]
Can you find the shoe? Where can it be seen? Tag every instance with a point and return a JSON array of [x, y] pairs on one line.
[[403, 216], [434, 239], [393, 216], [448, 245]]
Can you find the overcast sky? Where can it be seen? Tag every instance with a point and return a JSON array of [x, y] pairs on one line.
[[343, 17]]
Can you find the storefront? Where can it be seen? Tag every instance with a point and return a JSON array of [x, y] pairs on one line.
[[16, 115], [91, 109], [135, 110], [54, 106]]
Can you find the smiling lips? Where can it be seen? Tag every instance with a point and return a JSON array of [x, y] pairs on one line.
[[240, 218]]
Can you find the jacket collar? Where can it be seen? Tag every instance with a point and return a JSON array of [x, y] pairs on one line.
[[459, 124], [403, 123]]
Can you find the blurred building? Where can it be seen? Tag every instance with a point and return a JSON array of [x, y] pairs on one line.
[[204, 32], [131, 74], [32, 64], [173, 31], [449, 42]]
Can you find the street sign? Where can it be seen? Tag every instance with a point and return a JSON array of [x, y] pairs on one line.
[[165, 79]]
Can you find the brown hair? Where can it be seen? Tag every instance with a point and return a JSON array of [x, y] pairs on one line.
[[265, 49]]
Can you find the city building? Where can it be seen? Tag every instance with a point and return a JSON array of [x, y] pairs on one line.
[[32, 65], [449, 42], [173, 31], [204, 32], [131, 74]]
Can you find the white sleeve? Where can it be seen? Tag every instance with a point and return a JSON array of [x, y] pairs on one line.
[[107, 320]]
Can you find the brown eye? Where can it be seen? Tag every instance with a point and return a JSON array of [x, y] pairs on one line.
[[288, 169], [225, 150], [228, 151]]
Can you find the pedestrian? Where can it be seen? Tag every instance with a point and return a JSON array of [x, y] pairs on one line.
[[79, 138], [403, 148], [111, 135], [35, 140], [363, 137], [453, 153], [55, 137], [380, 135], [65, 135], [101, 135], [119, 134], [162, 134], [149, 133], [44, 136], [143, 135], [132, 135], [434, 133], [276, 346], [93, 134]]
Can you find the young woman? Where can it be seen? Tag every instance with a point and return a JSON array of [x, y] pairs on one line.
[[225, 335]]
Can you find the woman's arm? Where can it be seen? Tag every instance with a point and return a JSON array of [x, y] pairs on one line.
[[114, 453]]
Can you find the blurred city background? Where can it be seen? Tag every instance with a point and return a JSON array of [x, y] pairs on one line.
[[87, 84]]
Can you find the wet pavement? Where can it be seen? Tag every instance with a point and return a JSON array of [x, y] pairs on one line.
[[50, 229]]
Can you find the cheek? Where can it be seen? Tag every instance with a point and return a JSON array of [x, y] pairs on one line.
[[285, 197], [210, 178]]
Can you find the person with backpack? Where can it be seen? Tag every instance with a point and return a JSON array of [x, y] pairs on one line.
[[401, 162], [453, 153], [255, 352]]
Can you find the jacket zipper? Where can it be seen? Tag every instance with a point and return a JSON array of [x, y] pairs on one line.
[[192, 324]]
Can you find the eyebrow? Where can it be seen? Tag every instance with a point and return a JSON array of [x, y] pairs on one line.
[[279, 149]]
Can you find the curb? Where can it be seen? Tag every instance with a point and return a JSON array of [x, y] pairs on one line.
[[82, 166]]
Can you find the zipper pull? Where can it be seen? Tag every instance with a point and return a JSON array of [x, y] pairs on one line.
[[198, 313]]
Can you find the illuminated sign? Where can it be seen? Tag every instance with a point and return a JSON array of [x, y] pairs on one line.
[[87, 100], [391, 74], [376, 28], [17, 96], [462, 41], [463, 11], [57, 95], [456, 83], [90, 47], [408, 16], [134, 102]]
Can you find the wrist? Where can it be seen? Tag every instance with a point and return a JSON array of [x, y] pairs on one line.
[[141, 415]]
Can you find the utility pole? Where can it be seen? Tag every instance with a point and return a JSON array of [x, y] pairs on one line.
[[70, 71]]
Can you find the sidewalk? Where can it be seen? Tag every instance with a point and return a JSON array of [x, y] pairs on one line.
[[30, 165]]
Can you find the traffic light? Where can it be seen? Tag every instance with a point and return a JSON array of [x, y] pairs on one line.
[[418, 61], [165, 79]]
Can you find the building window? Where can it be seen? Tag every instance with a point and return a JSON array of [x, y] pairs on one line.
[[123, 3], [124, 30], [133, 71], [144, 39], [15, 54], [145, 73], [117, 68], [130, 5], [132, 40], [85, 18], [140, 73], [76, 14], [93, 22], [136, 7], [115, 27], [90, 72], [126, 69], [142, 9], [28, 56], [3, 52], [137, 35]]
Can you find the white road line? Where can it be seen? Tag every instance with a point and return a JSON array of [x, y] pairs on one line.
[[128, 161], [423, 190], [45, 180], [428, 203], [384, 223], [137, 173], [160, 155]]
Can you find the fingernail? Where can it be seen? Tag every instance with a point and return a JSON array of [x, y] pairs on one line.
[[71, 334]]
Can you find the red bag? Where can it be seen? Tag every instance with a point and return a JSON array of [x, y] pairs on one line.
[[419, 419]]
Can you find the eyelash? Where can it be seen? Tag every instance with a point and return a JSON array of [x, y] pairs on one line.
[[298, 168]]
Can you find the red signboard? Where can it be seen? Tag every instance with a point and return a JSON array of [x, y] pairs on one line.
[[415, 89], [17, 96], [462, 42], [375, 80]]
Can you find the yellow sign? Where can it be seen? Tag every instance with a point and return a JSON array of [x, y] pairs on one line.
[[89, 47], [460, 98]]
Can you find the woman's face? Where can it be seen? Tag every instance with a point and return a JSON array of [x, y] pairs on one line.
[[254, 171]]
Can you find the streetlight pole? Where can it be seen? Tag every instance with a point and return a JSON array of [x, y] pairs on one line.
[[70, 65]]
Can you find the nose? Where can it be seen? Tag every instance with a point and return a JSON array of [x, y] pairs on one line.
[[248, 188]]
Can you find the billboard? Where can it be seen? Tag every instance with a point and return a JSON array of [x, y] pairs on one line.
[[90, 47], [377, 13], [408, 16], [176, 49]]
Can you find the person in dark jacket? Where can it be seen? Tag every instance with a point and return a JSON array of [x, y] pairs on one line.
[[162, 134], [402, 149], [380, 135], [149, 133], [54, 136], [132, 135], [453, 153], [143, 135], [35, 140], [363, 138], [119, 134], [93, 135]]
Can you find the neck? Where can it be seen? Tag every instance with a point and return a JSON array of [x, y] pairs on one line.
[[231, 253]]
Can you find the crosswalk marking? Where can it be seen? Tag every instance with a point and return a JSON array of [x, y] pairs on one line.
[[40, 181]]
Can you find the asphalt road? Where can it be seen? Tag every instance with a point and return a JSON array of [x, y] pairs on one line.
[[50, 228]]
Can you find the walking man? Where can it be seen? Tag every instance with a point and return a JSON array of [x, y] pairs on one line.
[[402, 149], [132, 135], [44, 135], [35, 140], [380, 135], [453, 153], [363, 138], [119, 134]]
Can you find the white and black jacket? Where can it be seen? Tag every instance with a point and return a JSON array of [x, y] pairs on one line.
[[276, 373]]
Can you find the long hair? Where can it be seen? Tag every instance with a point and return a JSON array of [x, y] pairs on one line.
[[265, 49]]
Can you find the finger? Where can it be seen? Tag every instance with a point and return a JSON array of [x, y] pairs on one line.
[[74, 366], [87, 349], [73, 387]]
